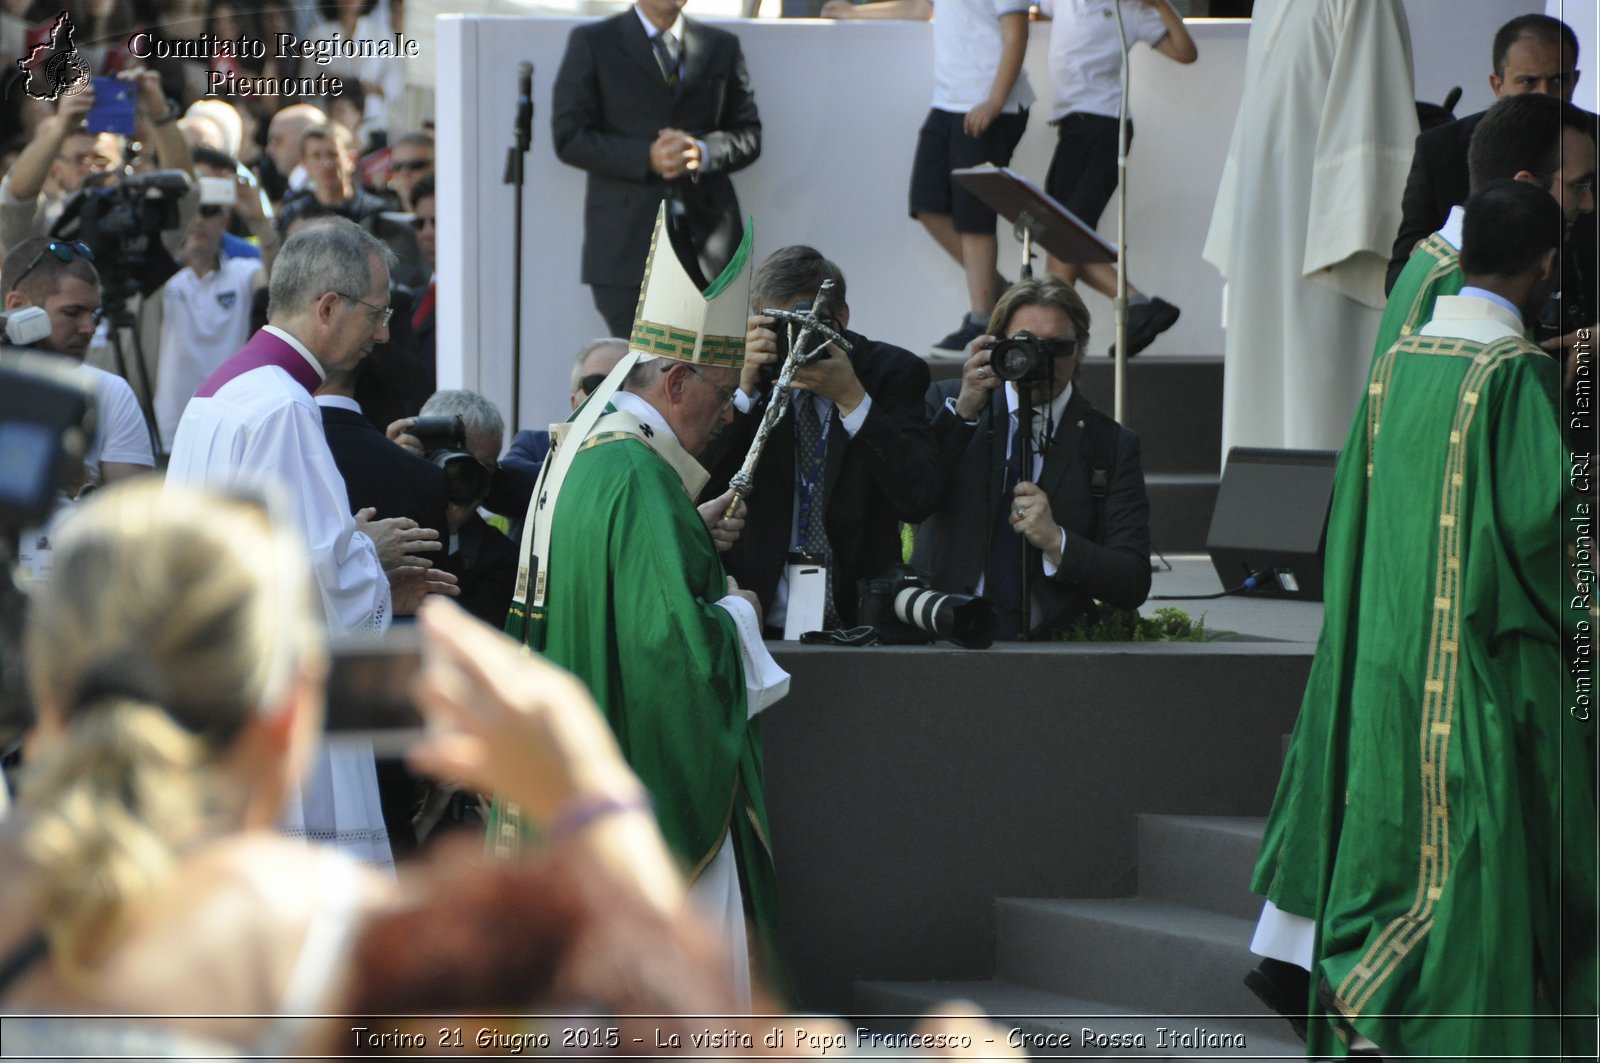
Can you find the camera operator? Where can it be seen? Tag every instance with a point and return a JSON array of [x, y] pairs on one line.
[[1081, 507], [62, 156]]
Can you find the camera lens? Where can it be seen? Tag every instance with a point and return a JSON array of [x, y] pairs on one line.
[[1014, 363]]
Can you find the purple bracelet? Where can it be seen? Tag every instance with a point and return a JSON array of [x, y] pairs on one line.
[[577, 815]]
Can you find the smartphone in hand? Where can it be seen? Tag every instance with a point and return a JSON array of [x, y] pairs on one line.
[[115, 107]]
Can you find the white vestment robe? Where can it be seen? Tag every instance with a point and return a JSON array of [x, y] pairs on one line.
[[1307, 212], [263, 426]]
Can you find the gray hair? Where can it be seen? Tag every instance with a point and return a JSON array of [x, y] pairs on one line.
[[589, 348], [423, 140], [330, 255], [475, 411]]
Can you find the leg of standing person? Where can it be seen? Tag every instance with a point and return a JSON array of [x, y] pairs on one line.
[[1082, 178], [617, 303]]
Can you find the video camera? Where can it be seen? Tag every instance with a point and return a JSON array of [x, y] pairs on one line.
[[122, 225], [444, 442], [908, 612]]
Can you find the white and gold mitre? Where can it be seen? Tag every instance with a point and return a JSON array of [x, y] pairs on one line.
[[676, 320]]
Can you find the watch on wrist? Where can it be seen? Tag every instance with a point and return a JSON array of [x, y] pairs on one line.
[[173, 113]]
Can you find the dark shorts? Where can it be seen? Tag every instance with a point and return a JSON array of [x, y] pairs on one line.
[[943, 146], [1083, 171]]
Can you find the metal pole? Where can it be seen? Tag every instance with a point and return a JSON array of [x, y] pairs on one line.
[[1120, 303]]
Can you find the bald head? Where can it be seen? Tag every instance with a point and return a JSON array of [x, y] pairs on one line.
[[286, 129]]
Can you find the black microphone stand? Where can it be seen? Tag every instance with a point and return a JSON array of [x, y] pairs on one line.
[[515, 158], [1025, 472]]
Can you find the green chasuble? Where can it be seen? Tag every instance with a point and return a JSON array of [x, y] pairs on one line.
[[1434, 269], [630, 609], [1436, 814]]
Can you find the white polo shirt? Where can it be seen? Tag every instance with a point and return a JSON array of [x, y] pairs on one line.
[[966, 54], [1086, 54], [204, 321]]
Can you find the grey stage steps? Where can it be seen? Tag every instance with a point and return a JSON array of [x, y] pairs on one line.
[[1172, 956], [1174, 402]]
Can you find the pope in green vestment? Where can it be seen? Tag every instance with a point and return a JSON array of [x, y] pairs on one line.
[[630, 608], [621, 584], [1436, 814]]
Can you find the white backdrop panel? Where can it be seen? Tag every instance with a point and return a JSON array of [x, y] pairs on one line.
[[840, 106]]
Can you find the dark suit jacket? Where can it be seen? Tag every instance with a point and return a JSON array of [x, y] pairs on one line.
[[1437, 182], [610, 101], [486, 564], [872, 482], [953, 545], [380, 474]]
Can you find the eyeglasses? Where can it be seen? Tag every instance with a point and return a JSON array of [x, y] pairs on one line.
[[724, 394], [409, 165], [63, 251], [384, 312], [590, 383], [422, 221]]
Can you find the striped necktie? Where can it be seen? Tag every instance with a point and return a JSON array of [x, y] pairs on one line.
[[666, 51]]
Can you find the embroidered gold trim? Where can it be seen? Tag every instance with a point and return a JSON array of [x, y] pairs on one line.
[[1404, 932]]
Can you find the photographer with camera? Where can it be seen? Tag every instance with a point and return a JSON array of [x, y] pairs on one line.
[[483, 559], [852, 458], [1078, 517]]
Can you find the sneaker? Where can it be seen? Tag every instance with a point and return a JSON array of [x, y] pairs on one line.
[[1146, 321], [955, 344]]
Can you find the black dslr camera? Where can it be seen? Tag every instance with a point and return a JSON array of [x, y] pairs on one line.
[[908, 612], [444, 442], [784, 329], [1027, 359]]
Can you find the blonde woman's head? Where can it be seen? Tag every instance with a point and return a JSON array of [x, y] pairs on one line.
[[177, 629]]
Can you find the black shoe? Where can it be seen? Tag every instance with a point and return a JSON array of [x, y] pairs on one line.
[[956, 342], [1283, 987], [1146, 321]]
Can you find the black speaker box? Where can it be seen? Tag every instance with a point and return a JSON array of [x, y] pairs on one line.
[[1271, 518]]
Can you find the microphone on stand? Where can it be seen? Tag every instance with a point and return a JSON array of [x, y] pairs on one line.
[[524, 105], [523, 133]]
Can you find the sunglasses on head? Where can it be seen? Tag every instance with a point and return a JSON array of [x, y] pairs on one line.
[[62, 250]]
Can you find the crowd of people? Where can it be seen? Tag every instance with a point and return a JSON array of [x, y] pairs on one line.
[[264, 380]]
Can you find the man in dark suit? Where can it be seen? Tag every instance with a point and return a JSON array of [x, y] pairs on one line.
[[652, 104], [1079, 516], [377, 474], [854, 452], [1532, 53]]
